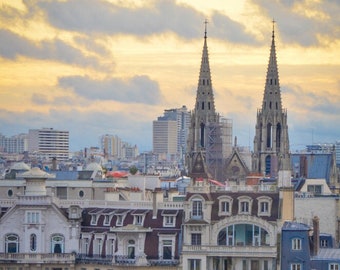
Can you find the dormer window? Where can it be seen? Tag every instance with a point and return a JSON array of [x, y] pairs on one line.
[[107, 219], [138, 217], [197, 212], [225, 206], [245, 205], [120, 216], [138, 220], [95, 213], [264, 206], [169, 218], [94, 219]]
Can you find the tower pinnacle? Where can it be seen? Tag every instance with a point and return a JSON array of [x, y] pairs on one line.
[[205, 28]]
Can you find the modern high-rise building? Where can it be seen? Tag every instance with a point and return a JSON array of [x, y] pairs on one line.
[[14, 144], [164, 138], [182, 118], [49, 143], [271, 142]]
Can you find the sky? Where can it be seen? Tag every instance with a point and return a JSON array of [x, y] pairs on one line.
[[96, 67]]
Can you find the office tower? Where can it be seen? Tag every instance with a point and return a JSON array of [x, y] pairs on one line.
[[271, 143], [49, 143], [164, 138]]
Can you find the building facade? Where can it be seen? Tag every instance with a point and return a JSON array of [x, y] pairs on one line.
[[49, 143], [14, 144]]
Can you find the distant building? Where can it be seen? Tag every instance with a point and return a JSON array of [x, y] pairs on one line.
[[337, 153], [111, 145], [49, 143], [164, 138], [14, 144]]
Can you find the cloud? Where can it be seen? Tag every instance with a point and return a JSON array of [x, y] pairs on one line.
[[13, 45], [138, 89], [90, 16], [228, 29], [303, 22]]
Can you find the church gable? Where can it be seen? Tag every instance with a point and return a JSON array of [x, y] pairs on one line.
[[236, 167]]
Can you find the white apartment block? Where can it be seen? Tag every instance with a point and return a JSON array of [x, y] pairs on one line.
[[14, 144], [164, 137], [49, 143]]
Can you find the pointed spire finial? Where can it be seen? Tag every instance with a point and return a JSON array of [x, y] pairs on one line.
[[273, 21], [205, 28]]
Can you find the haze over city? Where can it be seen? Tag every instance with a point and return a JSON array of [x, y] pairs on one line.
[[112, 67]]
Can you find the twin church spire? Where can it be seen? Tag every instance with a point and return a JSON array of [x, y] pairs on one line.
[[271, 143]]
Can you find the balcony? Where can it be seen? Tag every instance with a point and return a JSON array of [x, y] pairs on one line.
[[95, 259], [159, 261], [233, 251], [60, 258]]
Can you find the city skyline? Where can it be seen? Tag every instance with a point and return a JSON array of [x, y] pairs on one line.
[[112, 67]]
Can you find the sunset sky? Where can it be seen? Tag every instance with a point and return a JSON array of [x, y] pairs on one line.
[[111, 67]]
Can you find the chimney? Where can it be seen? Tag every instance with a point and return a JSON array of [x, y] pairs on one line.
[[316, 235], [54, 164]]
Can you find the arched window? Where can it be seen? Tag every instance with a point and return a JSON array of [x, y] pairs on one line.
[[57, 243], [12, 243], [131, 249], [202, 135], [269, 135], [33, 242], [278, 136], [243, 235], [268, 165]]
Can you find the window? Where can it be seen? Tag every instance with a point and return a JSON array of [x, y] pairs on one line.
[[315, 189], [94, 220], [225, 207], [244, 207], [333, 266], [264, 206], [85, 245], [243, 235], [296, 266], [32, 217], [323, 243], [194, 264], [167, 249], [196, 239], [197, 209], [99, 246], [10, 193], [107, 219], [169, 221], [12, 243], [119, 221], [81, 194], [33, 242], [296, 244], [138, 219], [131, 249], [57, 244]]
